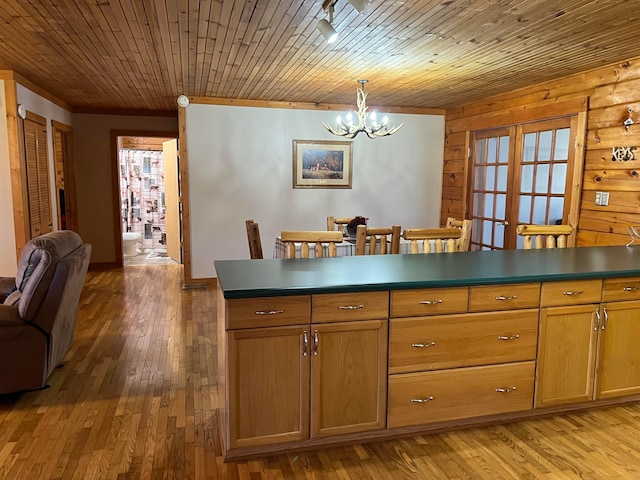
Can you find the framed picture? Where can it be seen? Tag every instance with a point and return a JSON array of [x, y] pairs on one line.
[[322, 164]]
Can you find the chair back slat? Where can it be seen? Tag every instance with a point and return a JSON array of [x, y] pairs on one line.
[[433, 240], [465, 231], [253, 236], [337, 223], [544, 236], [306, 237], [378, 240]]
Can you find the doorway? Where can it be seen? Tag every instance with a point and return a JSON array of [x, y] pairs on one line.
[[521, 174], [144, 198]]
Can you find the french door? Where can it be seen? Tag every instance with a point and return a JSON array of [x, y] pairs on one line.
[[520, 174]]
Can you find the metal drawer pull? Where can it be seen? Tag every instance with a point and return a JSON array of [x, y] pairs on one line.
[[316, 341], [270, 312], [510, 297], [421, 400], [423, 345], [506, 390], [577, 292], [630, 289], [305, 343], [606, 318], [429, 302], [508, 337], [597, 320], [350, 307]]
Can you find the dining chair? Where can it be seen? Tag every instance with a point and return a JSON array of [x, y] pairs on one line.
[[320, 239], [253, 236], [433, 240], [381, 240], [544, 236], [465, 231], [337, 223]]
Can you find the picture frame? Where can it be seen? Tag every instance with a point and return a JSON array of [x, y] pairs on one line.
[[322, 164]]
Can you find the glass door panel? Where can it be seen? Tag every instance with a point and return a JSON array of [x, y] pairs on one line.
[[489, 187], [544, 173]]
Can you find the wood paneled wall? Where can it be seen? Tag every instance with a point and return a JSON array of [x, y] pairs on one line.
[[611, 91]]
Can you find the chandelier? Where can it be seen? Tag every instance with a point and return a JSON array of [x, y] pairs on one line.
[[373, 128]]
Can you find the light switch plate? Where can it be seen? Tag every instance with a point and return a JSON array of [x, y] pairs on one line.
[[602, 199]]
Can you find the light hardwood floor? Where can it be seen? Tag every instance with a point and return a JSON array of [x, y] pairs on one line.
[[136, 400]]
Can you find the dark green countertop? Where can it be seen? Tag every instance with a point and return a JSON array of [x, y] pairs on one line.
[[273, 277]]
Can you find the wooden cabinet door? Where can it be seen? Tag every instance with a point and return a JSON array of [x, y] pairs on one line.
[[268, 376], [566, 355], [348, 377], [618, 350], [37, 167]]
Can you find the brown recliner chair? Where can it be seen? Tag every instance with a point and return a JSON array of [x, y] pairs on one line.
[[38, 314]]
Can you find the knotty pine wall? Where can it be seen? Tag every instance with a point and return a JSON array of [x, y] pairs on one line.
[[611, 90]]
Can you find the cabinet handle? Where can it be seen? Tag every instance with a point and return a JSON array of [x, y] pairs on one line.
[[421, 400], [423, 345], [350, 307], [630, 289], [429, 302], [500, 298], [270, 312], [595, 329], [305, 343], [508, 337], [316, 341], [577, 292], [606, 318], [506, 390]]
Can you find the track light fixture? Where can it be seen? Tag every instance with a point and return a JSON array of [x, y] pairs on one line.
[[327, 30], [326, 26], [359, 4]]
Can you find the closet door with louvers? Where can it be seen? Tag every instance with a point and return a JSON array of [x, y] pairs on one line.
[[39, 201]]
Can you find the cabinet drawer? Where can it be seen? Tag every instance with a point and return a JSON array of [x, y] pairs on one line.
[[345, 307], [428, 397], [504, 297], [571, 292], [429, 301], [268, 312], [431, 343], [615, 289]]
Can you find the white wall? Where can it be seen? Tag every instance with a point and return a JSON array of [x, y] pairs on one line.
[[8, 261], [240, 167]]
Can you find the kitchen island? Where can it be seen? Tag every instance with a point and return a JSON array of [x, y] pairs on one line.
[[316, 352]]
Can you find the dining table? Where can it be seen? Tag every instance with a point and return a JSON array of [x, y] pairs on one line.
[[346, 248]]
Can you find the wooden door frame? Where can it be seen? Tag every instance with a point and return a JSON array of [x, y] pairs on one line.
[[115, 177], [509, 130], [69, 174]]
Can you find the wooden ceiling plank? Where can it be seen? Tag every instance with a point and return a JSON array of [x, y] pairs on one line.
[[256, 39], [222, 23], [158, 13]]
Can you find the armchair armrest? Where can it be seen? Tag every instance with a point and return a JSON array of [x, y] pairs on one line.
[[6, 284], [11, 325]]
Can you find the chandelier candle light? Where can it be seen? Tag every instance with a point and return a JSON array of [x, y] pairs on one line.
[[373, 129]]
